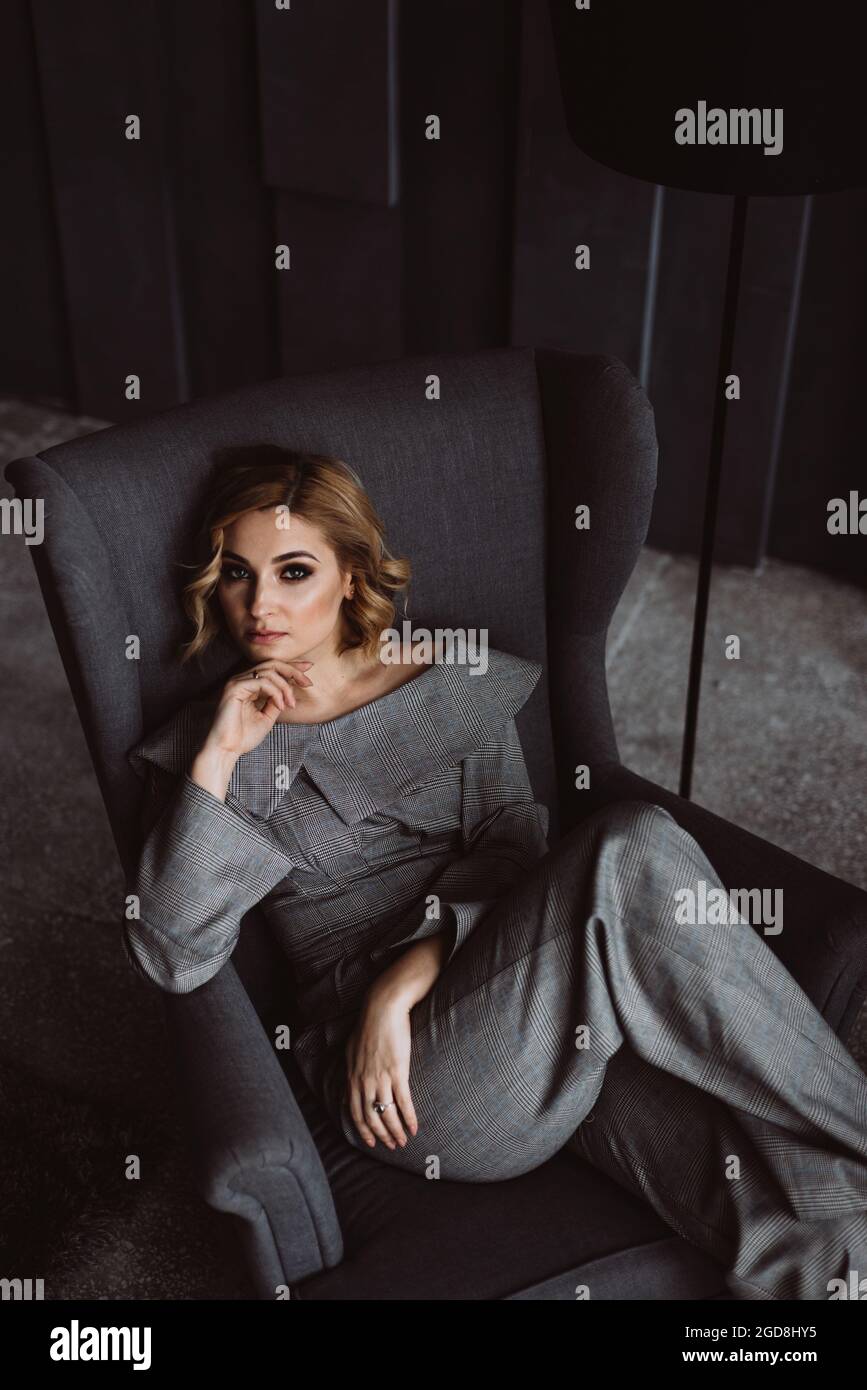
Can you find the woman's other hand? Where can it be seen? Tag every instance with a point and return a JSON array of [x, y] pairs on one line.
[[377, 1069]]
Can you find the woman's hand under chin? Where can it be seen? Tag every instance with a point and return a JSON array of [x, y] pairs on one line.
[[251, 702], [246, 713]]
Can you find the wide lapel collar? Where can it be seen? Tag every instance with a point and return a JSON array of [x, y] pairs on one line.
[[260, 779], [173, 745], [366, 760]]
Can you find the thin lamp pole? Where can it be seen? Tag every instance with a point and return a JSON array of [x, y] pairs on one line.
[[714, 476]]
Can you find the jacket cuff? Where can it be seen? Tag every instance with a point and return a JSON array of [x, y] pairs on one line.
[[202, 866], [459, 919]]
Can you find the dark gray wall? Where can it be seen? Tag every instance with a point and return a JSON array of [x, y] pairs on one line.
[[306, 127]]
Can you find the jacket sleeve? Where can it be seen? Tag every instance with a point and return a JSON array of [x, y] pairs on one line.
[[202, 865], [504, 833]]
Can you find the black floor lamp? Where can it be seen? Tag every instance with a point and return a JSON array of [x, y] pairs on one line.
[[749, 98]]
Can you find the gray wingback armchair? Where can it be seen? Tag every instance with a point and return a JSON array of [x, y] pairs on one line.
[[479, 488]]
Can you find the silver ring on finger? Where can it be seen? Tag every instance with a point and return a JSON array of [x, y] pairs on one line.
[[379, 1107]]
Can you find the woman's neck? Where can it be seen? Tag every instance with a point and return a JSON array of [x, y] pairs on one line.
[[339, 683]]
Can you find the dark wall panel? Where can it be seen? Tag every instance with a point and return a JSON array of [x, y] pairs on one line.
[[224, 214], [328, 100], [98, 63], [340, 301], [765, 304], [823, 453], [461, 63], [683, 369], [328, 74], [34, 347], [306, 127], [683, 379], [564, 199]]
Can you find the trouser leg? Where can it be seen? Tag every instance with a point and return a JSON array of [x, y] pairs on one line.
[[734, 1108], [711, 1003], [510, 1048], [719, 1178]]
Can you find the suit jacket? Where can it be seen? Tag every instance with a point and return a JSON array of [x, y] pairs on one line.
[[341, 832]]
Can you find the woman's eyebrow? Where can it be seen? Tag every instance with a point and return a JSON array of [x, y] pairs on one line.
[[289, 555]]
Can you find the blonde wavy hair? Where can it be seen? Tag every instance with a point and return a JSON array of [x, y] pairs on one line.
[[323, 491]]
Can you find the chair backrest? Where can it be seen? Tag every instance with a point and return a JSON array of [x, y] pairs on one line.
[[474, 462]]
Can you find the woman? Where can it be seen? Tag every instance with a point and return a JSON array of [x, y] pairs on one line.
[[472, 1000]]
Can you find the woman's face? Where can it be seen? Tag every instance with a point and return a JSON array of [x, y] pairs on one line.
[[280, 586]]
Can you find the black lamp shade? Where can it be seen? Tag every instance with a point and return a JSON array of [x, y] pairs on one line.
[[627, 67]]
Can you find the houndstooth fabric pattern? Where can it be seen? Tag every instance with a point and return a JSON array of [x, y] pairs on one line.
[[706, 1080], [573, 1009], [339, 831]]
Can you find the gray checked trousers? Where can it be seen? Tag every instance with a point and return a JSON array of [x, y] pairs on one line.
[[683, 1060]]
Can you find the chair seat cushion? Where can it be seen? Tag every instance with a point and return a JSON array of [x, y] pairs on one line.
[[538, 1236]]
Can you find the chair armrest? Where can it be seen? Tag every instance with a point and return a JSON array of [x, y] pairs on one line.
[[254, 1155], [823, 943]]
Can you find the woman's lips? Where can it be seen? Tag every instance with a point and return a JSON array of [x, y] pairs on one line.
[[265, 636]]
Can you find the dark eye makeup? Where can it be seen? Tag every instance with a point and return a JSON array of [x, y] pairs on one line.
[[233, 573]]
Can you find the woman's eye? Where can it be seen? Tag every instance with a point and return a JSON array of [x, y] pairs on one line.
[[233, 573]]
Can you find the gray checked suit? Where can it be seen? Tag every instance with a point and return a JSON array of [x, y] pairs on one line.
[[572, 1008]]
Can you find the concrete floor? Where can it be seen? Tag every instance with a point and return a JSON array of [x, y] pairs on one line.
[[782, 733], [84, 1063]]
